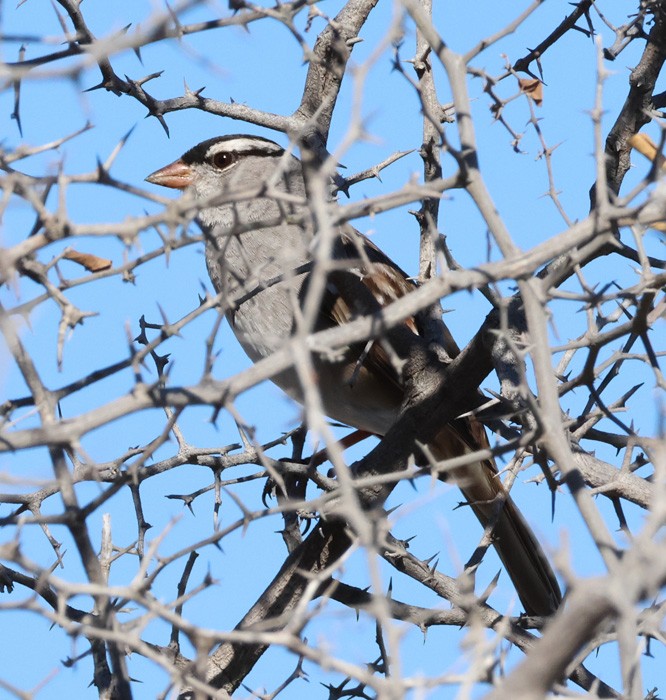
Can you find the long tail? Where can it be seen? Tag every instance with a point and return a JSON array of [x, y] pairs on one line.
[[516, 544]]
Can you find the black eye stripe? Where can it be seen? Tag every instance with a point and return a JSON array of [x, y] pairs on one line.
[[260, 152], [225, 159]]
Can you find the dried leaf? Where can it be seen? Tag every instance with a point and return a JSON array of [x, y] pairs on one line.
[[91, 262], [646, 147], [533, 88]]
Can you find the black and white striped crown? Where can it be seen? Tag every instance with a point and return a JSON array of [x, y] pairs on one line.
[[239, 145]]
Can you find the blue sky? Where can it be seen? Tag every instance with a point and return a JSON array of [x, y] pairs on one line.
[[263, 68]]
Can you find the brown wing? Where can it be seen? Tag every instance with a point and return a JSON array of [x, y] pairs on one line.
[[372, 271], [373, 275]]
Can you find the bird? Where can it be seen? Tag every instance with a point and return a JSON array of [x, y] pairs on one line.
[[253, 208]]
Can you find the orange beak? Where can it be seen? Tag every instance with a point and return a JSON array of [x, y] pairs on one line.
[[177, 175]]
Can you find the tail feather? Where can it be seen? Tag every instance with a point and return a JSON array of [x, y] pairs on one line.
[[524, 559], [516, 544]]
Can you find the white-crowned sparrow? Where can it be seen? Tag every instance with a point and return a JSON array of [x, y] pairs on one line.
[[254, 213]]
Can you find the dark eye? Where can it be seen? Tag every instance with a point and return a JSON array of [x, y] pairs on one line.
[[223, 160]]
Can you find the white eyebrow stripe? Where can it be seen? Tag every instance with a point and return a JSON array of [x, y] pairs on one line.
[[243, 145]]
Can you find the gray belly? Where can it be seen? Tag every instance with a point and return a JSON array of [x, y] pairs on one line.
[[360, 401]]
